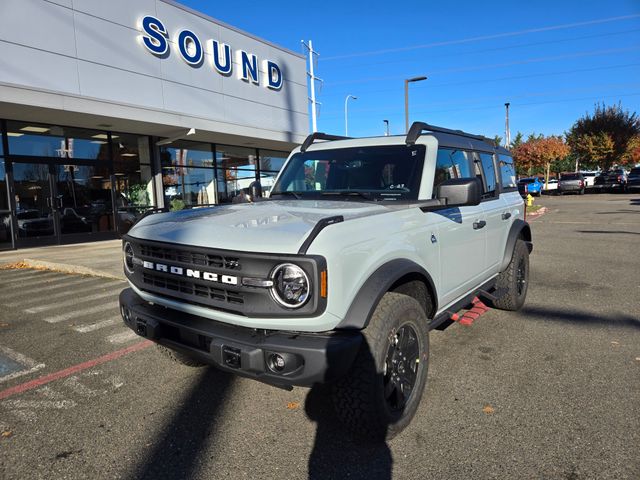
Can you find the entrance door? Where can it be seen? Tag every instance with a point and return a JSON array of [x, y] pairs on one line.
[[35, 203], [84, 201]]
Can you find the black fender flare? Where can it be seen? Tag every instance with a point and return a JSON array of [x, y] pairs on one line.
[[519, 229], [379, 283]]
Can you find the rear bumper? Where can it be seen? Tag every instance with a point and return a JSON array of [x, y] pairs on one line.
[[308, 358]]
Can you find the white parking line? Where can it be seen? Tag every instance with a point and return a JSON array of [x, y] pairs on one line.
[[71, 301], [90, 327], [22, 283], [122, 337], [83, 312], [21, 359], [15, 274], [92, 287], [59, 284]]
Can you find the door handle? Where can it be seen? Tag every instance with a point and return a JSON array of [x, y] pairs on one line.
[[506, 215], [479, 224]]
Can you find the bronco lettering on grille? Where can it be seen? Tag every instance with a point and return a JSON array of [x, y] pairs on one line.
[[188, 272]]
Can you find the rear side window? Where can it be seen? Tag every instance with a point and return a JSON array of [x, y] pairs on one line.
[[488, 173], [507, 172]]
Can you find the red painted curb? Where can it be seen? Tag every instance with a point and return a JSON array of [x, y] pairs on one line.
[[23, 387]]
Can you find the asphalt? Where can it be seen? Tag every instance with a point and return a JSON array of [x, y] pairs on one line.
[[552, 391]]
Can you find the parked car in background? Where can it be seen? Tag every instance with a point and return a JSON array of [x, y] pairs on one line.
[[589, 178], [531, 185], [550, 187], [633, 179], [613, 181], [571, 182]]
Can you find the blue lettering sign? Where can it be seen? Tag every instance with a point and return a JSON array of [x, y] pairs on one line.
[[274, 75], [156, 39], [190, 48], [248, 66], [224, 65]]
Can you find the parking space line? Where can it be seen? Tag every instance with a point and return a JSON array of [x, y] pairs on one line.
[[23, 387], [90, 327], [72, 300], [122, 337], [32, 365], [26, 283], [67, 293], [79, 313], [63, 283]]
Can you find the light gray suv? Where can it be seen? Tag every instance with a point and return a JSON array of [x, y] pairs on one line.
[[363, 247]]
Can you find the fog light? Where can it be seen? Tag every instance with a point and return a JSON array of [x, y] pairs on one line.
[[276, 362]]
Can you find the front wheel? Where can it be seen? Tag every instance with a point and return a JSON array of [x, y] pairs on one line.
[[514, 281], [379, 396]]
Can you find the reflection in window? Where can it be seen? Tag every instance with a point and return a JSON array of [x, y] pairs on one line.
[[58, 142], [507, 172], [489, 173], [4, 199], [235, 157], [272, 161]]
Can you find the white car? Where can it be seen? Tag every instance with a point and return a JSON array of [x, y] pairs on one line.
[[551, 186], [589, 177], [363, 247]]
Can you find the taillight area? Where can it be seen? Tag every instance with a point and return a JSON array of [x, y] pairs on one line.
[[620, 178]]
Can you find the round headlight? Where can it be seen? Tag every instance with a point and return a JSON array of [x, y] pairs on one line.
[[127, 252], [291, 286]]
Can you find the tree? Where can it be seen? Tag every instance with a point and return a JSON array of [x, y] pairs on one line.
[[632, 157], [517, 140], [540, 152], [587, 136], [498, 140]]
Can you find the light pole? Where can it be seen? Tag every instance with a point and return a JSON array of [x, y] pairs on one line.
[[507, 130], [406, 98], [386, 122], [346, 111]]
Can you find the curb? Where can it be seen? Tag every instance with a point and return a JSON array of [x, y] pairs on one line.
[[64, 268]]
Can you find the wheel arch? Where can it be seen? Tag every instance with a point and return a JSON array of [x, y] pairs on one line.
[[400, 275], [519, 230]]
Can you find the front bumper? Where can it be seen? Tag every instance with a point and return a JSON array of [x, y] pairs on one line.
[[308, 359]]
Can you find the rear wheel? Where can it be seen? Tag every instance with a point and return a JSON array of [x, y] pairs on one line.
[[514, 281], [379, 396]]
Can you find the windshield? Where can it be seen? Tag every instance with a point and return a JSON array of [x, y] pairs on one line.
[[570, 176], [374, 173]]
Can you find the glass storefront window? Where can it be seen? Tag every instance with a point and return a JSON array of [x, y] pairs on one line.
[[29, 139], [185, 187], [182, 153], [235, 157], [4, 199], [84, 199], [272, 161]]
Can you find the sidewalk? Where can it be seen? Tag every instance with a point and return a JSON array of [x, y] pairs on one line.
[[103, 259]]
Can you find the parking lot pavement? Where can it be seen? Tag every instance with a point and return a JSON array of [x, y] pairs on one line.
[[552, 391]]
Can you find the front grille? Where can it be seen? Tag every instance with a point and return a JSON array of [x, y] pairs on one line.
[[190, 257], [186, 287]]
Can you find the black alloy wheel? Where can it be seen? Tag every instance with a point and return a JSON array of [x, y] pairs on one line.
[[401, 367]]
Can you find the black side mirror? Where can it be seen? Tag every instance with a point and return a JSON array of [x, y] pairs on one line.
[[459, 192]]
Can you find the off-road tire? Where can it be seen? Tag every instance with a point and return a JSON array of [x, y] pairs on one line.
[[179, 357], [508, 281], [358, 397]]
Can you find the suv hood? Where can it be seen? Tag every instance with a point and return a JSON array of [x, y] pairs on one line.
[[273, 226]]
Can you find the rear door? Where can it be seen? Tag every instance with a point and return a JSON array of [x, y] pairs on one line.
[[494, 207]]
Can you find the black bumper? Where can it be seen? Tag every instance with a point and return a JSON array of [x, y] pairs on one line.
[[308, 358]]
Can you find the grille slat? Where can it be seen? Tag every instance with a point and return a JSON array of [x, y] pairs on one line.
[[190, 258], [205, 292]]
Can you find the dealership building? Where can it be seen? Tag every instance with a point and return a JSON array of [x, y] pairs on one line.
[[109, 109]]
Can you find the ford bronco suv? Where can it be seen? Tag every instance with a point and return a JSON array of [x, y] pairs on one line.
[[362, 248]]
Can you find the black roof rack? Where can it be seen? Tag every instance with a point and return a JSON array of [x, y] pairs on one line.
[[319, 136], [418, 127]]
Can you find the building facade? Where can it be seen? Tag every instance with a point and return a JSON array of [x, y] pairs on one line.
[[109, 109]]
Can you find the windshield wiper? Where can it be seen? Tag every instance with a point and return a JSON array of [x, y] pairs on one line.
[[292, 194], [366, 196]]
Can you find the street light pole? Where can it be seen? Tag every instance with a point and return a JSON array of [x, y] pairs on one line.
[[507, 130], [386, 122], [346, 111], [406, 99]]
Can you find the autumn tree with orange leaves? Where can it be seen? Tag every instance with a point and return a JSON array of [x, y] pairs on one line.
[[539, 152]]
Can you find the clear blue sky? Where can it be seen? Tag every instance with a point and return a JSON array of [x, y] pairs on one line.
[[552, 60]]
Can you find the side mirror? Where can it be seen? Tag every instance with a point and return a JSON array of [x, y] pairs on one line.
[[459, 192]]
